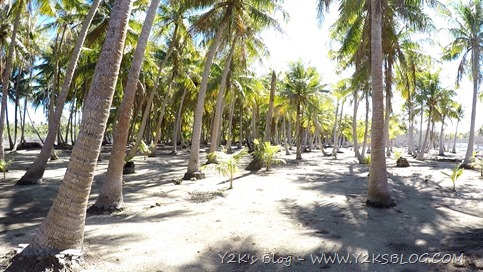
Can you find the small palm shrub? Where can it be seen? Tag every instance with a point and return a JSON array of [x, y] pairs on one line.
[[4, 164], [144, 148], [478, 163], [454, 175], [368, 159], [397, 154], [227, 164], [266, 153]]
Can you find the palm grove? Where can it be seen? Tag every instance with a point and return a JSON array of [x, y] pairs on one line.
[[179, 73]]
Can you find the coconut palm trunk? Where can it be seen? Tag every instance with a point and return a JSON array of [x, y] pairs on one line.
[[366, 126], [475, 68], [144, 120], [63, 228], [215, 131], [268, 124], [298, 129], [194, 161], [387, 115], [357, 152], [5, 81], [35, 172], [110, 196], [455, 137], [378, 194], [426, 136], [441, 138], [177, 122]]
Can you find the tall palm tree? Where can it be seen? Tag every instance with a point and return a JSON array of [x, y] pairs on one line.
[[220, 14], [446, 108], [431, 91], [110, 197], [467, 33], [301, 84], [459, 116], [378, 193], [63, 228], [35, 172]]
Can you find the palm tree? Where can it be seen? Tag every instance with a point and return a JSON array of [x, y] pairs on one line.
[[467, 19], [35, 172], [110, 197], [378, 194], [221, 14], [459, 116], [301, 84], [63, 228], [446, 108], [430, 93]]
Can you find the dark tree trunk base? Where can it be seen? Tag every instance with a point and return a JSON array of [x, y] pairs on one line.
[[381, 205], [129, 168], [467, 166], [254, 165], [29, 181], [57, 263], [193, 176], [94, 210]]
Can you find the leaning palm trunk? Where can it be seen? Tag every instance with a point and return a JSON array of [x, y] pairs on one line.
[[425, 143], [63, 228], [476, 76], [144, 120], [167, 99], [285, 139], [359, 157], [194, 161], [177, 122], [455, 137], [5, 81], [378, 194], [215, 131], [441, 138], [366, 126], [35, 172], [230, 122], [110, 197]]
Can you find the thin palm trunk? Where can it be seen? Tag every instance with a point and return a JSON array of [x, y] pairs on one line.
[[230, 122], [388, 112], [147, 113], [35, 172], [268, 122], [366, 126], [378, 194], [357, 152], [285, 139], [425, 143], [441, 138], [63, 228], [194, 161], [215, 131], [475, 67], [5, 81], [177, 122], [421, 148], [455, 137], [298, 129], [110, 196]]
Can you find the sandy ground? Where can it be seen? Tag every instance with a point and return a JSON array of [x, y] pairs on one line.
[[302, 216]]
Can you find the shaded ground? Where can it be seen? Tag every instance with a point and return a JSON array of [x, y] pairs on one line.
[[297, 217]]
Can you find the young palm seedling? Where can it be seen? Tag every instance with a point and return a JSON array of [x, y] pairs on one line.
[[227, 165], [454, 175], [267, 154], [4, 164]]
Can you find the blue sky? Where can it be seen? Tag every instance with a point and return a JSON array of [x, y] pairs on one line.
[[305, 39]]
